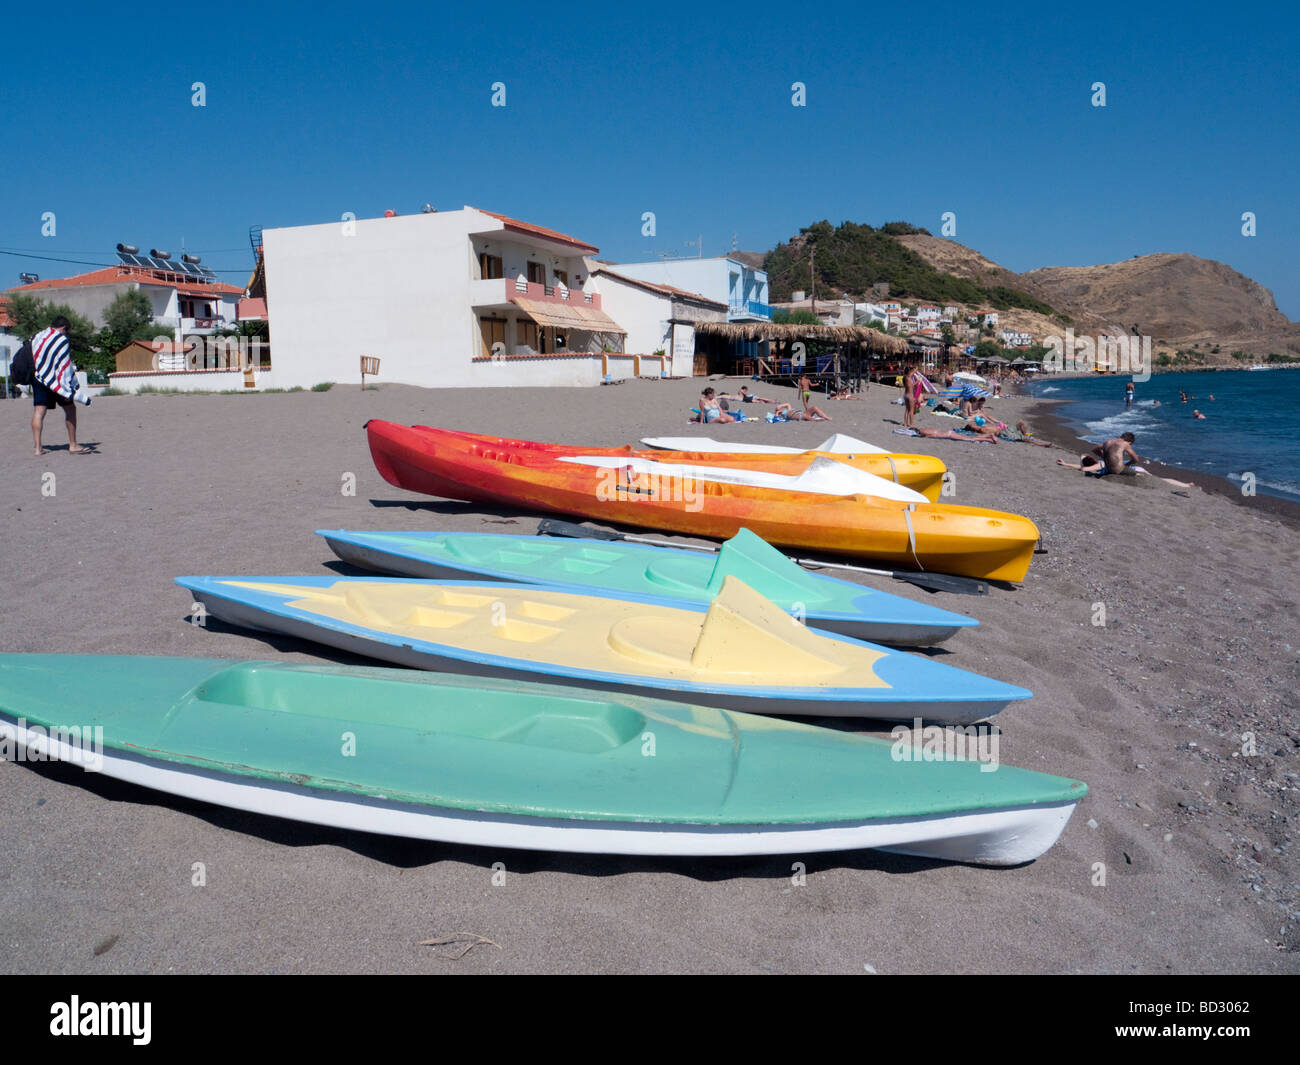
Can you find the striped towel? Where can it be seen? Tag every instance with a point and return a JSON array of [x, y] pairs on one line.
[[53, 357]]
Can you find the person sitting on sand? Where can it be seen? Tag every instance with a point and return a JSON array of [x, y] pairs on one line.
[[1115, 450], [709, 409], [845, 393]]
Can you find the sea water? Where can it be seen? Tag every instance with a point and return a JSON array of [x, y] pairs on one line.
[[1247, 427]]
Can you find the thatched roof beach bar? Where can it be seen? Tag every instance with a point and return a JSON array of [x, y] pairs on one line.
[[766, 350]]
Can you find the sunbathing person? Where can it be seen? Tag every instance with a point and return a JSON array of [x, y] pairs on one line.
[[1018, 435], [745, 396], [983, 437], [786, 413], [1091, 464]]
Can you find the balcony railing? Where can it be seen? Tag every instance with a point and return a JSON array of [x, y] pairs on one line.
[[533, 290], [749, 309]]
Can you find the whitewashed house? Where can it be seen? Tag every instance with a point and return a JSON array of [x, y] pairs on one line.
[[450, 299], [658, 318]]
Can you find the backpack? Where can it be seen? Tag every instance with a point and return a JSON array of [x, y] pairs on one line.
[[22, 371]]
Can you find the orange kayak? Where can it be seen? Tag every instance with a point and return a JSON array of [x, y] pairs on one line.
[[966, 541], [921, 473]]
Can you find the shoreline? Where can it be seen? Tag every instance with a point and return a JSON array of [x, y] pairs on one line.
[[1047, 423]]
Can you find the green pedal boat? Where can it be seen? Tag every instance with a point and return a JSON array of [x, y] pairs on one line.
[[507, 764], [626, 568]]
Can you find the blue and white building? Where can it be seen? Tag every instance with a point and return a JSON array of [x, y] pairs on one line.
[[720, 278]]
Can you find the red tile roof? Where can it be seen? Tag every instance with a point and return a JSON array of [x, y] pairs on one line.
[[666, 290], [162, 347], [5, 320], [540, 231], [251, 310], [113, 275]]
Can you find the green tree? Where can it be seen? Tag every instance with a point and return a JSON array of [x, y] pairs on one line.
[[129, 317], [799, 317], [30, 315]]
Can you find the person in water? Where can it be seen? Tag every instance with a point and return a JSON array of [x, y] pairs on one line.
[[1198, 414], [1129, 392], [1182, 395]]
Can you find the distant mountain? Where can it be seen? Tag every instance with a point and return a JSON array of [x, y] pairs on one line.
[[1186, 304], [1182, 299]]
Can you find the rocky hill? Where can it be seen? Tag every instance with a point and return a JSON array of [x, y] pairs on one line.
[[1181, 299], [1197, 311], [1186, 304]]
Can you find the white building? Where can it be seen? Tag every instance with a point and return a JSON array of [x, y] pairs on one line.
[[723, 279], [658, 318], [443, 299], [926, 315]]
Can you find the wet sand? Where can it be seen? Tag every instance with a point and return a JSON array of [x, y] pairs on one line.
[[1199, 650]]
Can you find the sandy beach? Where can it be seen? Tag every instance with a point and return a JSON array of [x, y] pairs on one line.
[[1197, 665]]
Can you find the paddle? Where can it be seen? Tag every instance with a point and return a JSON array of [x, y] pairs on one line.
[[938, 582]]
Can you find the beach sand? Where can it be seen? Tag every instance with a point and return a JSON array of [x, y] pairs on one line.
[[1199, 649]]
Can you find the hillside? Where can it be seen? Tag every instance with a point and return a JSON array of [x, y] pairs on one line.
[[961, 261], [1182, 302], [851, 258], [1183, 299], [1196, 311]]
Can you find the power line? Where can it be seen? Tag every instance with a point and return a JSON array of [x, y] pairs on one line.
[[85, 262]]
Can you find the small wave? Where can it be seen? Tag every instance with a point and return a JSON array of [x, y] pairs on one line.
[[1126, 421], [1050, 388], [1290, 488]]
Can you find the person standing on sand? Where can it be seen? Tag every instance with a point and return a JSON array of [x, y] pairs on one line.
[[805, 391], [911, 396], [55, 383], [1114, 451]]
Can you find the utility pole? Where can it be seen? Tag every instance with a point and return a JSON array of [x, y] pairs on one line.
[[812, 275]]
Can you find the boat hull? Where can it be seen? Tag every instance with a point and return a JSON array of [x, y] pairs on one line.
[[964, 541], [863, 613], [921, 473], [165, 726]]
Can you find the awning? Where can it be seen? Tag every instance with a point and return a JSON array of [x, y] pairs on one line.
[[574, 316]]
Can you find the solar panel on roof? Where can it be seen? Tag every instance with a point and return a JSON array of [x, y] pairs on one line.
[[205, 272], [128, 259]]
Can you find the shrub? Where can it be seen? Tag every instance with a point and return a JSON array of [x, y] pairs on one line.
[[324, 386]]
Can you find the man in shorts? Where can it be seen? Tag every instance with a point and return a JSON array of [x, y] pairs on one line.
[[53, 357]]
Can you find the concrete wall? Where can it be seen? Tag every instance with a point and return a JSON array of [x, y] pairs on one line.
[[645, 315]]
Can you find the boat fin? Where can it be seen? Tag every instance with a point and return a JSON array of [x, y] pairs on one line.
[[753, 560], [743, 632]]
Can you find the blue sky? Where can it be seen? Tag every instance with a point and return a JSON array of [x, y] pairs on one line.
[[680, 110]]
